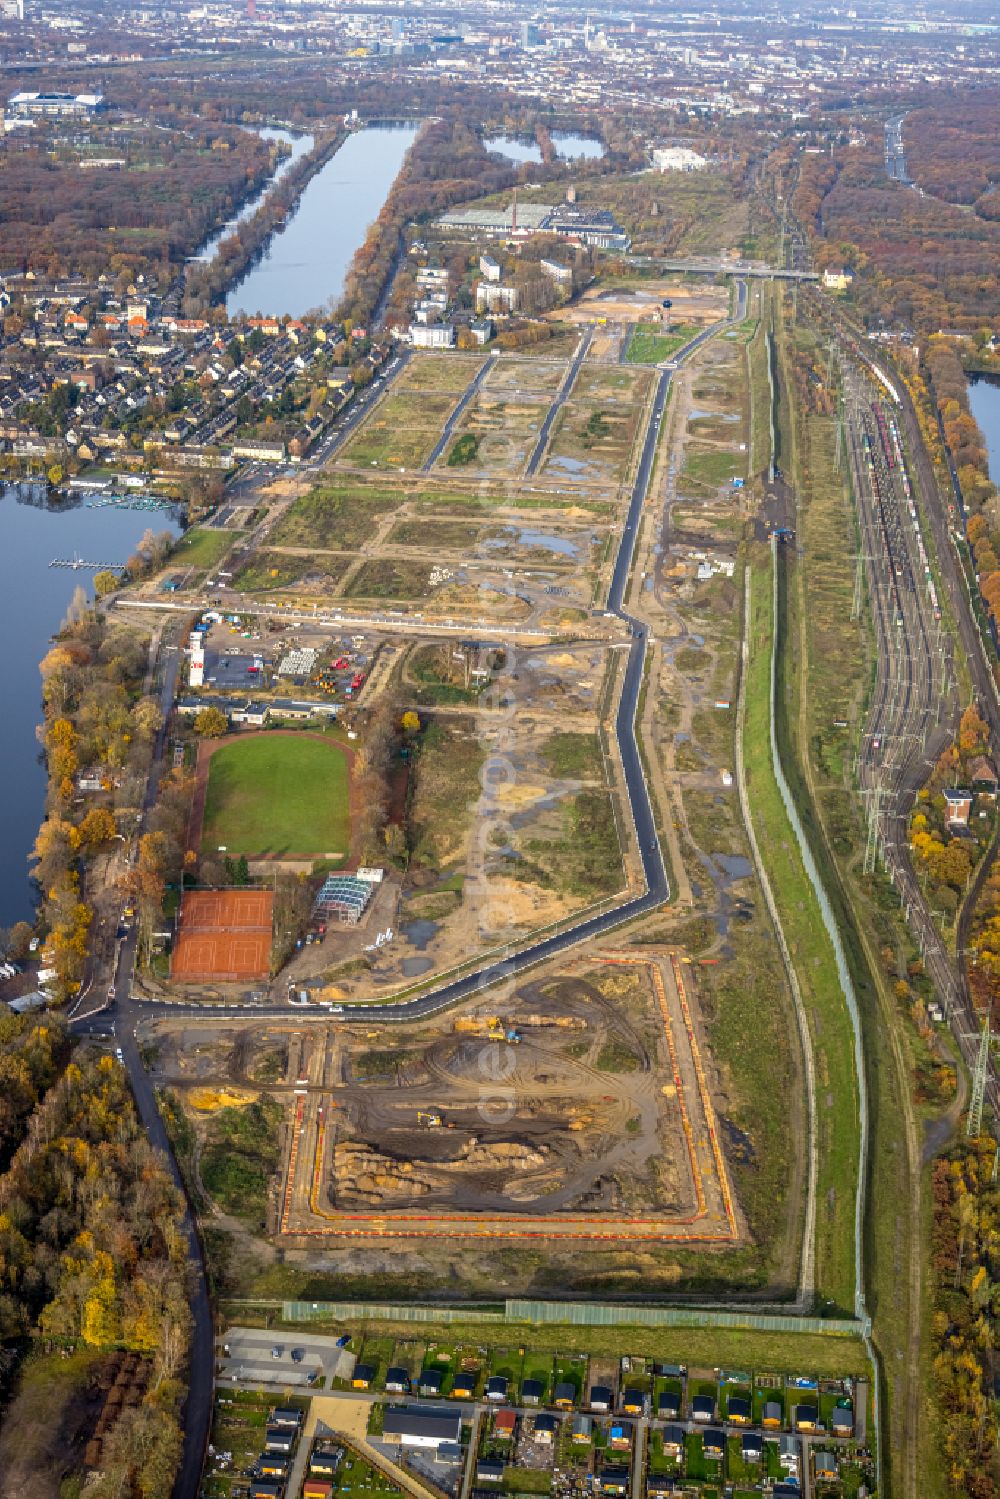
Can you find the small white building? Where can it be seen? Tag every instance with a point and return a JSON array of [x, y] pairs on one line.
[[491, 297], [489, 267], [432, 335]]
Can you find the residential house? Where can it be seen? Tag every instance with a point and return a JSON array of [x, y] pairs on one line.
[[317, 1488], [545, 1428], [634, 1402], [805, 1418], [430, 1382], [612, 1480], [273, 1465], [279, 1439], [532, 1391], [601, 1397], [772, 1415], [496, 1388], [325, 1461], [464, 1386], [620, 1437], [702, 1408], [738, 1410], [958, 805], [286, 1415], [363, 1376], [433, 336], [751, 1446], [789, 1452], [842, 1421], [714, 1443], [564, 1396], [838, 278], [581, 1429], [673, 1441], [668, 1404], [504, 1425], [489, 1472], [825, 1465]]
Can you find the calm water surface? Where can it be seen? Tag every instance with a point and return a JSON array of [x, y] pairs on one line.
[[300, 144], [304, 266], [33, 603], [569, 147], [984, 398]]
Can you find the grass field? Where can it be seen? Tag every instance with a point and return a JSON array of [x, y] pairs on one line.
[[274, 794], [201, 547], [649, 346]]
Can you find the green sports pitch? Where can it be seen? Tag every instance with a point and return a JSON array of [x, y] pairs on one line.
[[278, 796]]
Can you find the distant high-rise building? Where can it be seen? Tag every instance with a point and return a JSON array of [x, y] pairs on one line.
[[530, 35], [397, 28], [251, 10]]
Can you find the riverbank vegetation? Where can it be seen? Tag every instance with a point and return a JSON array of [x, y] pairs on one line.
[[97, 735], [207, 285]]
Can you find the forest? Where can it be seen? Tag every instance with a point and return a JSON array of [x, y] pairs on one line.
[[921, 262], [143, 218], [93, 1259], [966, 1269]]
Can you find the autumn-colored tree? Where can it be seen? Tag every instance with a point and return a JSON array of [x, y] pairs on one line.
[[210, 723], [972, 732], [105, 582], [97, 826]]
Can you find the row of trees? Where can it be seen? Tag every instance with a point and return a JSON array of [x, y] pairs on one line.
[[208, 284]]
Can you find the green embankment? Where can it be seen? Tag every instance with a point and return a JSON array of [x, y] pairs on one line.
[[837, 1123]]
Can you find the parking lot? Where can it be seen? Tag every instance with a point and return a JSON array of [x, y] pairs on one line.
[[286, 1360]]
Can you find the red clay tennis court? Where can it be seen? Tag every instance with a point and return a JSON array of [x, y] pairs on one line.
[[225, 936]]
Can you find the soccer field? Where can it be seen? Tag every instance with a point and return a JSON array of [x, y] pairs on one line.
[[283, 795]]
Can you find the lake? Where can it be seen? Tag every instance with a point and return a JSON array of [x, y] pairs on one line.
[[33, 603], [301, 145], [569, 147], [984, 400], [305, 266]]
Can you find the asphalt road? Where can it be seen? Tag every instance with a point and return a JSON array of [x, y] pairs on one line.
[[553, 411], [472, 390]]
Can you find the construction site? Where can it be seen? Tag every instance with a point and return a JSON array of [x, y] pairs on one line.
[[584, 1111]]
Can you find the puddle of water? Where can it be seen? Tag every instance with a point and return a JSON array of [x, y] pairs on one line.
[[413, 967], [697, 413], [553, 543], [419, 933], [570, 465], [735, 865]]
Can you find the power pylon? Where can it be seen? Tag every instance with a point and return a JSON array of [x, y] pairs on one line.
[[974, 1123]]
